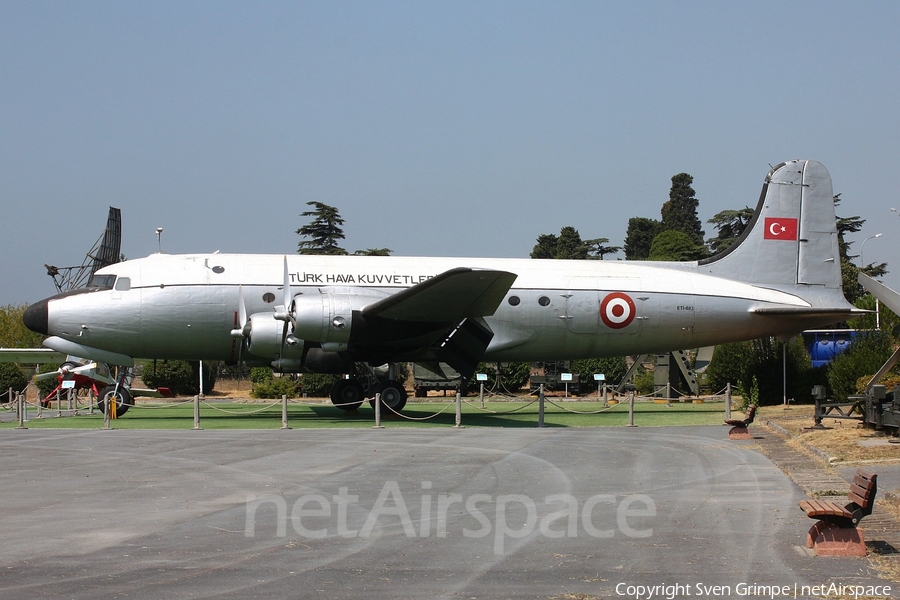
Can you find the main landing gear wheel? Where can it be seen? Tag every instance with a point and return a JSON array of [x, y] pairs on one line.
[[392, 393], [123, 401], [347, 394]]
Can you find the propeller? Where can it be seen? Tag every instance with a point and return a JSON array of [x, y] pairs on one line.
[[284, 312], [242, 330], [64, 370]]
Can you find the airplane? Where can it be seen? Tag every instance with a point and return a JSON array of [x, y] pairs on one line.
[[346, 314], [78, 373]]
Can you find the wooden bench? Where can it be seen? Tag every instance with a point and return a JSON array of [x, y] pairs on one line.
[[835, 532], [738, 429]]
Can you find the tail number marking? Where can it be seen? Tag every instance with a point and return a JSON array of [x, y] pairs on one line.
[[617, 310]]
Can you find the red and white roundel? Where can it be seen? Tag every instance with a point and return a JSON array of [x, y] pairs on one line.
[[617, 310]]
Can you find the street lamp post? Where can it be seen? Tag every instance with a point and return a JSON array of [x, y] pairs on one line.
[[862, 263]]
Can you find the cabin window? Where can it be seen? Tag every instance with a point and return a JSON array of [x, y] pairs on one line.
[[218, 269], [101, 282], [514, 300], [544, 301], [268, 297], [123, 284]]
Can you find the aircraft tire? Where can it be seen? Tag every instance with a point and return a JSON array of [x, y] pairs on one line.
[[347, 394], [393, 394], [123, 402]]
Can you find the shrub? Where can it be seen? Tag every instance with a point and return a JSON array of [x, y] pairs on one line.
[[317, 385], [260, 374], [274, 387]]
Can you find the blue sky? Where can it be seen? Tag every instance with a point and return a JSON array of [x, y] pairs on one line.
[[437, 129]]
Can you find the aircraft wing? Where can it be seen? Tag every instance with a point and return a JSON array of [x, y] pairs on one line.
[[809, 312], [31, 356], [453, 295], [888, 297]]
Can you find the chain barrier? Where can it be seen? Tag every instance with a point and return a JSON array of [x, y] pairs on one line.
[[408, 418], [240, 412], [496, 412], [579, 412]]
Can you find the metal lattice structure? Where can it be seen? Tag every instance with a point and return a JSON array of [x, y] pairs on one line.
[[106, 251]]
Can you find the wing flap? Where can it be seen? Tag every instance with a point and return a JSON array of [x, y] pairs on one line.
[[446, 298]]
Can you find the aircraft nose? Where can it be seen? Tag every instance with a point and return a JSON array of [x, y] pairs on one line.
[[35, 317]]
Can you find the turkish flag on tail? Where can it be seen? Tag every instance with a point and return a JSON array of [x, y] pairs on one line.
[[780, 228]]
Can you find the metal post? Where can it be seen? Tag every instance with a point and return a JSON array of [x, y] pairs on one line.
[[631, 409], [541, 407], [482, 394], [10, 400], [40, 408], [106, 404], [20, 401], [201, 378], [24, 411], [197, 413], [784, 370], [458, 424], [378, 424], [605, 396], [75, 396], [284, 424], [728, 401], [59, 404], [669, 394]]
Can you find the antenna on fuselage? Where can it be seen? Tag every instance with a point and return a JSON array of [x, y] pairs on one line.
[[159, 239]]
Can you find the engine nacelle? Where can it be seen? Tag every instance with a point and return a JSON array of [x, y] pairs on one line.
[[325, 317], [265, 339]]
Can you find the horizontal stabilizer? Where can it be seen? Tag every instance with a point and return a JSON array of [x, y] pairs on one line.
[[446, 298]]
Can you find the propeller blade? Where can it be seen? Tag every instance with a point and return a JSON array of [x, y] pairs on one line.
[[64, 371], [242, 316]]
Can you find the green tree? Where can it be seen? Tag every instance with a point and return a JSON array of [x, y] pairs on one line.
[[853, 291], [680, 212], [639, 237], [675, 246], [11, 377], [763, 360], [180, 376], [324, 231], [512, 376], [613, 368], [864, 357], [730, 224], [569, 245], [545, 247], [597, 248], [373, 252], [13, 333]]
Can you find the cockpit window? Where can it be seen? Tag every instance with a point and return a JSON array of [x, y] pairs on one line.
[[123, 284], [101, 282]]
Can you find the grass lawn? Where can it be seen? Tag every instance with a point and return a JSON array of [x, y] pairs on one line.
[[238, 415]]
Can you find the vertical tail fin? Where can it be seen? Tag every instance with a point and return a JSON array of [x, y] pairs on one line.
[[792, 238]]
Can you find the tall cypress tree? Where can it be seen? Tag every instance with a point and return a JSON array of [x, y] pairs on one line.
[[680, 212]]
